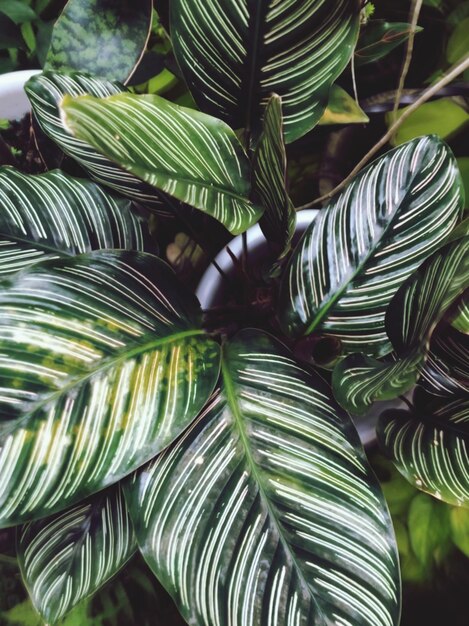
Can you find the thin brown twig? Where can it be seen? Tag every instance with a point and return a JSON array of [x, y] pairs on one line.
[[452, 73], [414, 18]]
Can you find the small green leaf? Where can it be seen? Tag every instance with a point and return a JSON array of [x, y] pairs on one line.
[[18, 12], [458, 44], [442, 117], [191, 156], [358, 380], [270, 180], [106, 38], [69, 556], [342, 109], [378, 38], [103, 363], [235, 53], [429, 529], [459, 520], [429, 449]]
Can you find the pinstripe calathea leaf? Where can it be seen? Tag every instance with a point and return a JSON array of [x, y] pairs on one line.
[[235, 53], [51, 215], [45, 91], [106, 38], [270, 180], [431, 447], [68, 556], [191, 156], [265, 511], [367, 241], [103, 363], [411, 318]]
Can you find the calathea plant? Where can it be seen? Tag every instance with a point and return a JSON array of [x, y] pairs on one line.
[[127, 425]]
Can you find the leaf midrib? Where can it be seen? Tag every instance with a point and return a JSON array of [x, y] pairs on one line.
[[322, 312], [104, 365], [231, 396]]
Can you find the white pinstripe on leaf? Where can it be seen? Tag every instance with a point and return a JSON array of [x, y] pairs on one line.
[[45, 91], [68, 556], [367, 241], [265, 511], [191, 156], [52, 215], [102, 364], [235, 53]]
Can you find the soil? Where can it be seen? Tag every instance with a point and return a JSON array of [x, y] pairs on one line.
[[18, 147]]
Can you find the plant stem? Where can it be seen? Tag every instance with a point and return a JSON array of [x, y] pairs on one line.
[[453, 73], [414, 17]]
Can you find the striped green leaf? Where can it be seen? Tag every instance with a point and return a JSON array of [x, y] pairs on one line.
[[235, 53], [68, 556], [189, 155], [446, 370], [52, 215], [411, 318], [45, 91], [106, 38], [461, 316], [265, 511], [431, 449], [358, 380], [103, 363], [367, 241], [270, 180]]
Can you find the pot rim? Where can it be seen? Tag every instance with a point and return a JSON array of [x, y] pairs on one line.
[[211, 278], [14, 102]]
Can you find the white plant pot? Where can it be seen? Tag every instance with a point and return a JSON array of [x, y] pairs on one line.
[[14, 103], [211, 288], [212, 292]]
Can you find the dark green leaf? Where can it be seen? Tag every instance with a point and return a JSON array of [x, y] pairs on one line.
[[270, 180], [411, 318], [103, 363], [367, 241], [235, 53], [106, 38], [265, 511], [67, 557], [52, 214], [378, 38], [358, 380], [430, 449], [191, 156], [18, 12], [45, 92]]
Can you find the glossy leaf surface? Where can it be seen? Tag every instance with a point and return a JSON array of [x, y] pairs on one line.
[[45, 92], [51, 215], [431, 449], [367, 241], [189, 155], [270, 180], [102, 365], [265, 511], [67, 557], [234, 54], [411, 318], [106, 38], [380, 37]]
